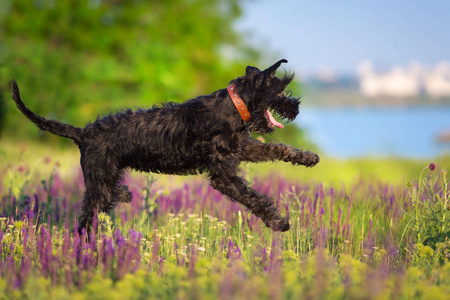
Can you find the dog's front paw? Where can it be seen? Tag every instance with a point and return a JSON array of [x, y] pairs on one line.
[[311, 160], [280, 224], [307, 158]]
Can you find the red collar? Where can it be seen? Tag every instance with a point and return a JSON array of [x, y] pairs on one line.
[[237, 101]]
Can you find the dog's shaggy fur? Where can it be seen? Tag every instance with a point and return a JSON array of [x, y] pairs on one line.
[[205, 134]]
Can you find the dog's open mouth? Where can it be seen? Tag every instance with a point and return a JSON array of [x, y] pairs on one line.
[[272, 121]]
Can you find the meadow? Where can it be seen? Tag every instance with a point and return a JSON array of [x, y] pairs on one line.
[[360, 229]]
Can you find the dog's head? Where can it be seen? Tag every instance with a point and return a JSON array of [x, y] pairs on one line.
[[264, 94]]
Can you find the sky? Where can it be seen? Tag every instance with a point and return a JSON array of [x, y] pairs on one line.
[[318, 35]]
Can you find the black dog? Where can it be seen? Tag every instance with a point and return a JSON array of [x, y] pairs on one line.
[[205, 134]]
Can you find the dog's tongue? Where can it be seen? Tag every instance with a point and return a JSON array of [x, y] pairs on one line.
[[273, 121]]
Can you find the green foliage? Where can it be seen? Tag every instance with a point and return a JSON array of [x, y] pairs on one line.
[[74, 59], [431, 215], [2, 110]]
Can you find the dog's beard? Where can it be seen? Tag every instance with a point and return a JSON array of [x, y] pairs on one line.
[[286, 108], [263, 122], [263, 118]]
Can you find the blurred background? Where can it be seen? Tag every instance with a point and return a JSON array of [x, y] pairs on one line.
[[375, 74], [374, 77]]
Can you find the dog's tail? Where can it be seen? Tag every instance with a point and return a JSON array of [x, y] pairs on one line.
[[55, 127]]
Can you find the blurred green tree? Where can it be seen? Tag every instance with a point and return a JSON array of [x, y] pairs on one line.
[[75, 58], [2, 112]]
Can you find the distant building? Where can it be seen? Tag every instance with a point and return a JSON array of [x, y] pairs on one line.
[[405, 82], [436, 82]]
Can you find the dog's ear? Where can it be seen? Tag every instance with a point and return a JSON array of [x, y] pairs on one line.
[[270, 72], [255, 75], [252, 71]]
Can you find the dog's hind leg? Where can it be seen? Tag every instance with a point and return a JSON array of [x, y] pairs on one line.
[[102, 192], [97, 196], [259, 204], [121, 194], [102, 196]]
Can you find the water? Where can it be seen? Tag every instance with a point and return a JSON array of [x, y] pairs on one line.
[[353, 132]]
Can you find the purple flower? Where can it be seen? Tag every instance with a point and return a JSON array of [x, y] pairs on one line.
[[331, 207], [237, 252], [432, 167], [338, 223], [161, 265], [36, 206], [230, 249], [192, 262], [391, 200]]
